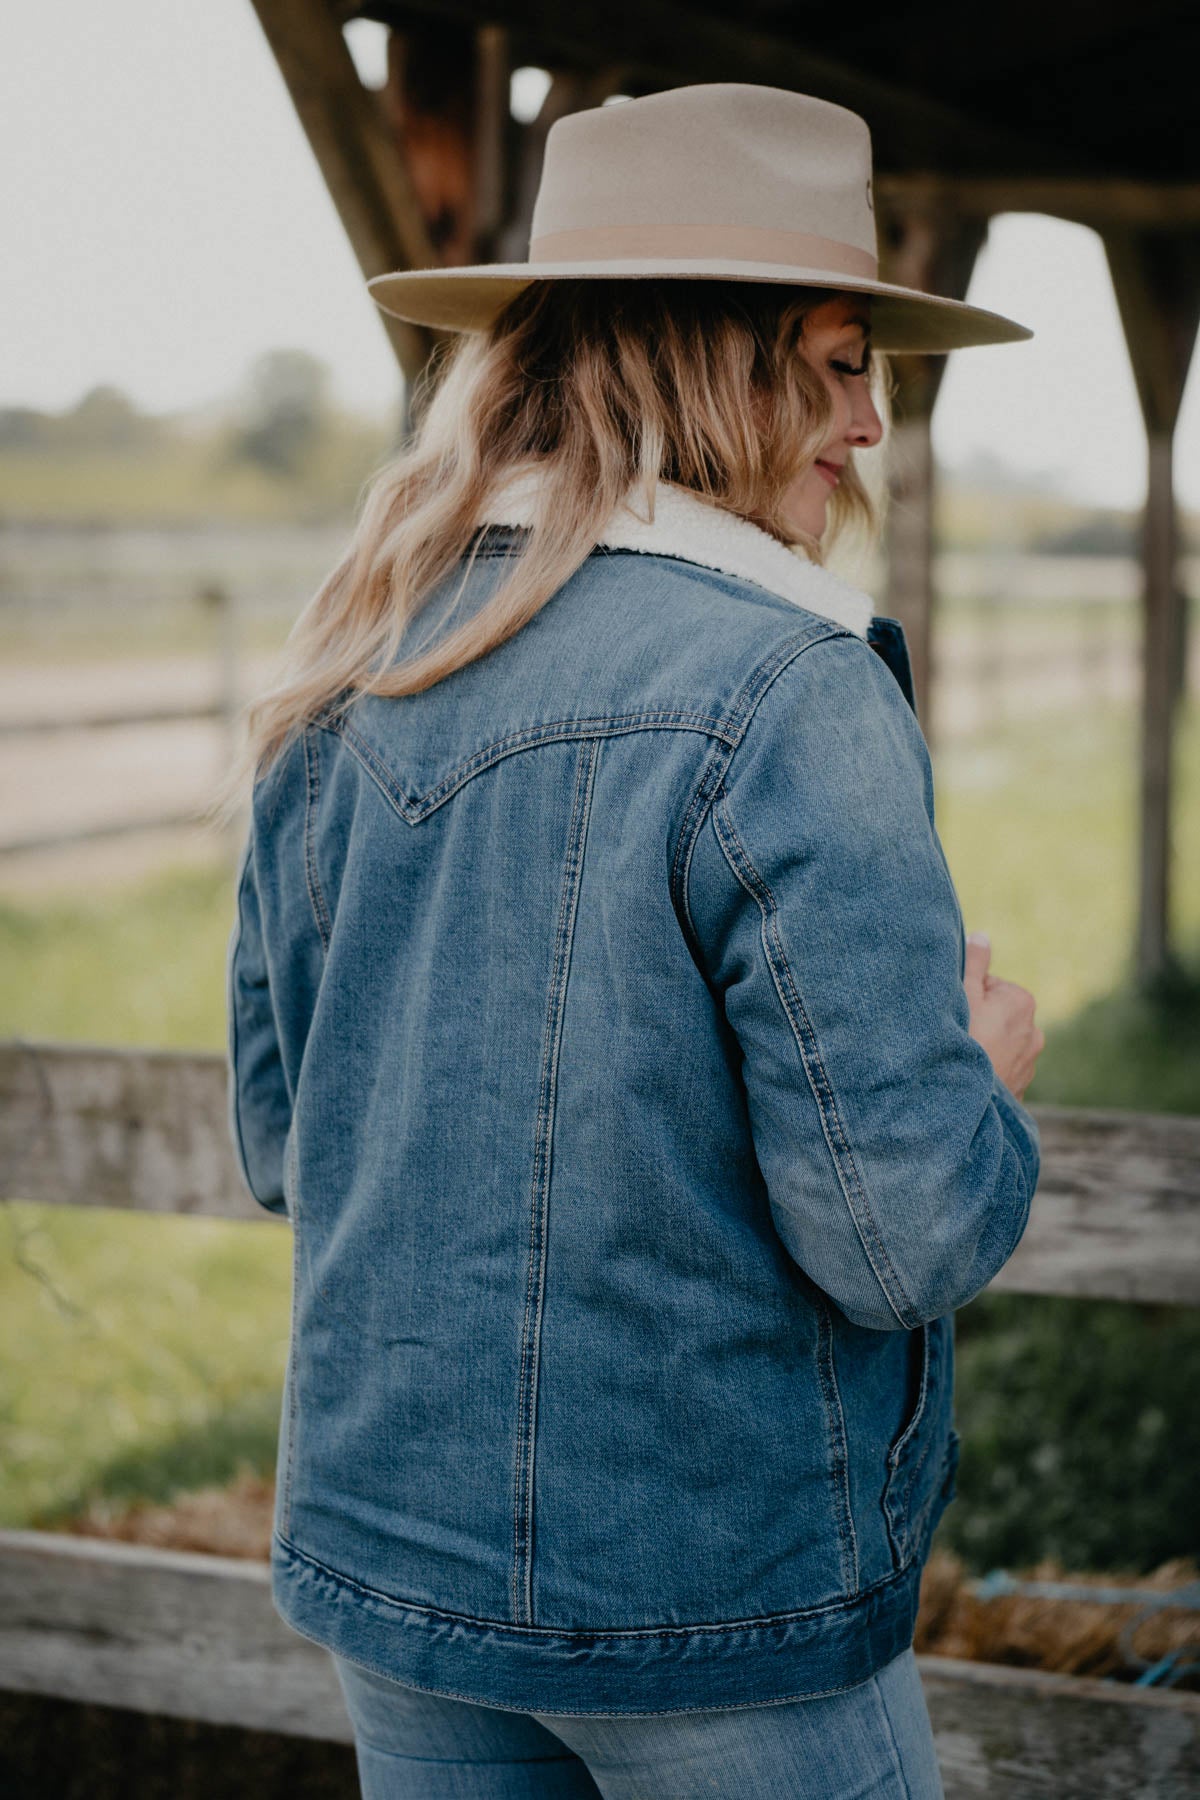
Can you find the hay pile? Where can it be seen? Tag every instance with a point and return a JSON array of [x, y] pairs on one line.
[[221, 1521], [1072, 1637]]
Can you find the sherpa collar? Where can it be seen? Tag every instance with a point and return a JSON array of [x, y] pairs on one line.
[[686, 527]]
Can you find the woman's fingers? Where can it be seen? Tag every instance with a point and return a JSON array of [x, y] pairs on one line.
[[979, 952]]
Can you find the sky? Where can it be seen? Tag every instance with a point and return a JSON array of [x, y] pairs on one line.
[[165, 222]]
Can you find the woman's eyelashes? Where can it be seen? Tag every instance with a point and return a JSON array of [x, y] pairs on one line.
[[845, 368]]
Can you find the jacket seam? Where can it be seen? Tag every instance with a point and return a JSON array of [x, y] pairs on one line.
[[839, 1448], [235, 1085], [635, 1633], [746, 702], [413, 808], [784, 981], [535, 1281], [898, 1487], [312, 796], [293, 1362]]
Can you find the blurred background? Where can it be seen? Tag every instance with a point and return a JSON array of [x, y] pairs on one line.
[[194, 387]]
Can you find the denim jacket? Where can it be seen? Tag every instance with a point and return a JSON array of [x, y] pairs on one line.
[[597, 1020]]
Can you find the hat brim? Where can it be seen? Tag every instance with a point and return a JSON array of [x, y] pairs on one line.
[[902, 319]]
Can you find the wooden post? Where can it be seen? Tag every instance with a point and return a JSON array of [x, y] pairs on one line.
[[933, 250], [1156, 276], [365, 173]]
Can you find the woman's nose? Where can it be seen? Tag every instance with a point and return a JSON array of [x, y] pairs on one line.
[[866, 427]]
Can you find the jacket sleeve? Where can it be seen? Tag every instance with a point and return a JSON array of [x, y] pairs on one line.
[[260, 1108], [899, 1168]]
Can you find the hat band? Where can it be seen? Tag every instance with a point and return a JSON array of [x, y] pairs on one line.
[[734, 243]]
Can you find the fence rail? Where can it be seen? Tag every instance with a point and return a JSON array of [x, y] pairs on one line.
[[1117, 1215], [111, 721], [196, 1637], [221, 710]]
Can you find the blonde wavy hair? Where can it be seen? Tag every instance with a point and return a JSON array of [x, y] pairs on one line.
[[607, 384]]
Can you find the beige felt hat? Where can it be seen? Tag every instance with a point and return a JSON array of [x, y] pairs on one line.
[[721, 181]]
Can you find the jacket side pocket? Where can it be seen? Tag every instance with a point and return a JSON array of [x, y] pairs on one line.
[[916, 1460]]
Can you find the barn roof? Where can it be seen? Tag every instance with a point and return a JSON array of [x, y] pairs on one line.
[[1103, 91]]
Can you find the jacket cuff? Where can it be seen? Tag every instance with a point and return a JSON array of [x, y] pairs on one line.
[[1021, 1128]]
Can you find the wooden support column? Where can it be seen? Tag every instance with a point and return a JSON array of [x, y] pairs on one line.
[[446, 107], [365, 174], [1156, 275], [434, 170], [926, 247]]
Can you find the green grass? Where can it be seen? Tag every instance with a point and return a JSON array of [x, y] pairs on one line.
[[183, 485], [139, 1356], [74, 634], [1080, 1433], [1039, 824], [142, 965], [185, 480]]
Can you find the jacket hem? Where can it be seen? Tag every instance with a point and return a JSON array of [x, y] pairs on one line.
[[656, 1669]]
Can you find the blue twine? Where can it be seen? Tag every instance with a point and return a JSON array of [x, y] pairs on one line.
[[998, 1584]]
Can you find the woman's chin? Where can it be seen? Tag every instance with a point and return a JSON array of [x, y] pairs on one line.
[[812, 528]]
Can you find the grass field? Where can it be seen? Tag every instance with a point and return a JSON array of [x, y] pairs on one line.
[[143, 1356]]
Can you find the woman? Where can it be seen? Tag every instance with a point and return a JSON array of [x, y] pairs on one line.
[[601, 1016]]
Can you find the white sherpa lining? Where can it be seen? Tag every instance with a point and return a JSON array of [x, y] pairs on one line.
[[687, 527]]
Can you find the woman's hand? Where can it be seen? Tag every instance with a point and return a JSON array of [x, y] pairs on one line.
[[1002, 1018]]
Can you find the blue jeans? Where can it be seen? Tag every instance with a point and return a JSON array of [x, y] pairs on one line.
[[870, 1742]]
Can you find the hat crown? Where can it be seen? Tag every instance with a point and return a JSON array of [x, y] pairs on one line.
[[719, 154], [720, 181]]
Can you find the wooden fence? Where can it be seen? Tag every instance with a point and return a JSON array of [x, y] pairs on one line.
[[222, 710], [1117, 1216]]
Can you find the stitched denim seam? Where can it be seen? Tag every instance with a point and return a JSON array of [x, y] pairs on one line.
[[790, 999], [312, 795], [522, 1574], [898, 1490], [745, 704], [637, 1633], [898, 1448], [457, 1762], [414, 808], [562, 1712], [839, 1449], [689, 835], [293, 1374], [923, 1457], [232, 1015]]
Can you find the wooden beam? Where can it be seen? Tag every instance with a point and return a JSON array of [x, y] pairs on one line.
[[1116, 1214], [430, 104], [363, 170], [494, 138], [143, 1129], [196, 1637], [670, 44], [1156, 277], [1010, 1734], [1005, 48], [172, 1632], [931, 248], [1100, 203]]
